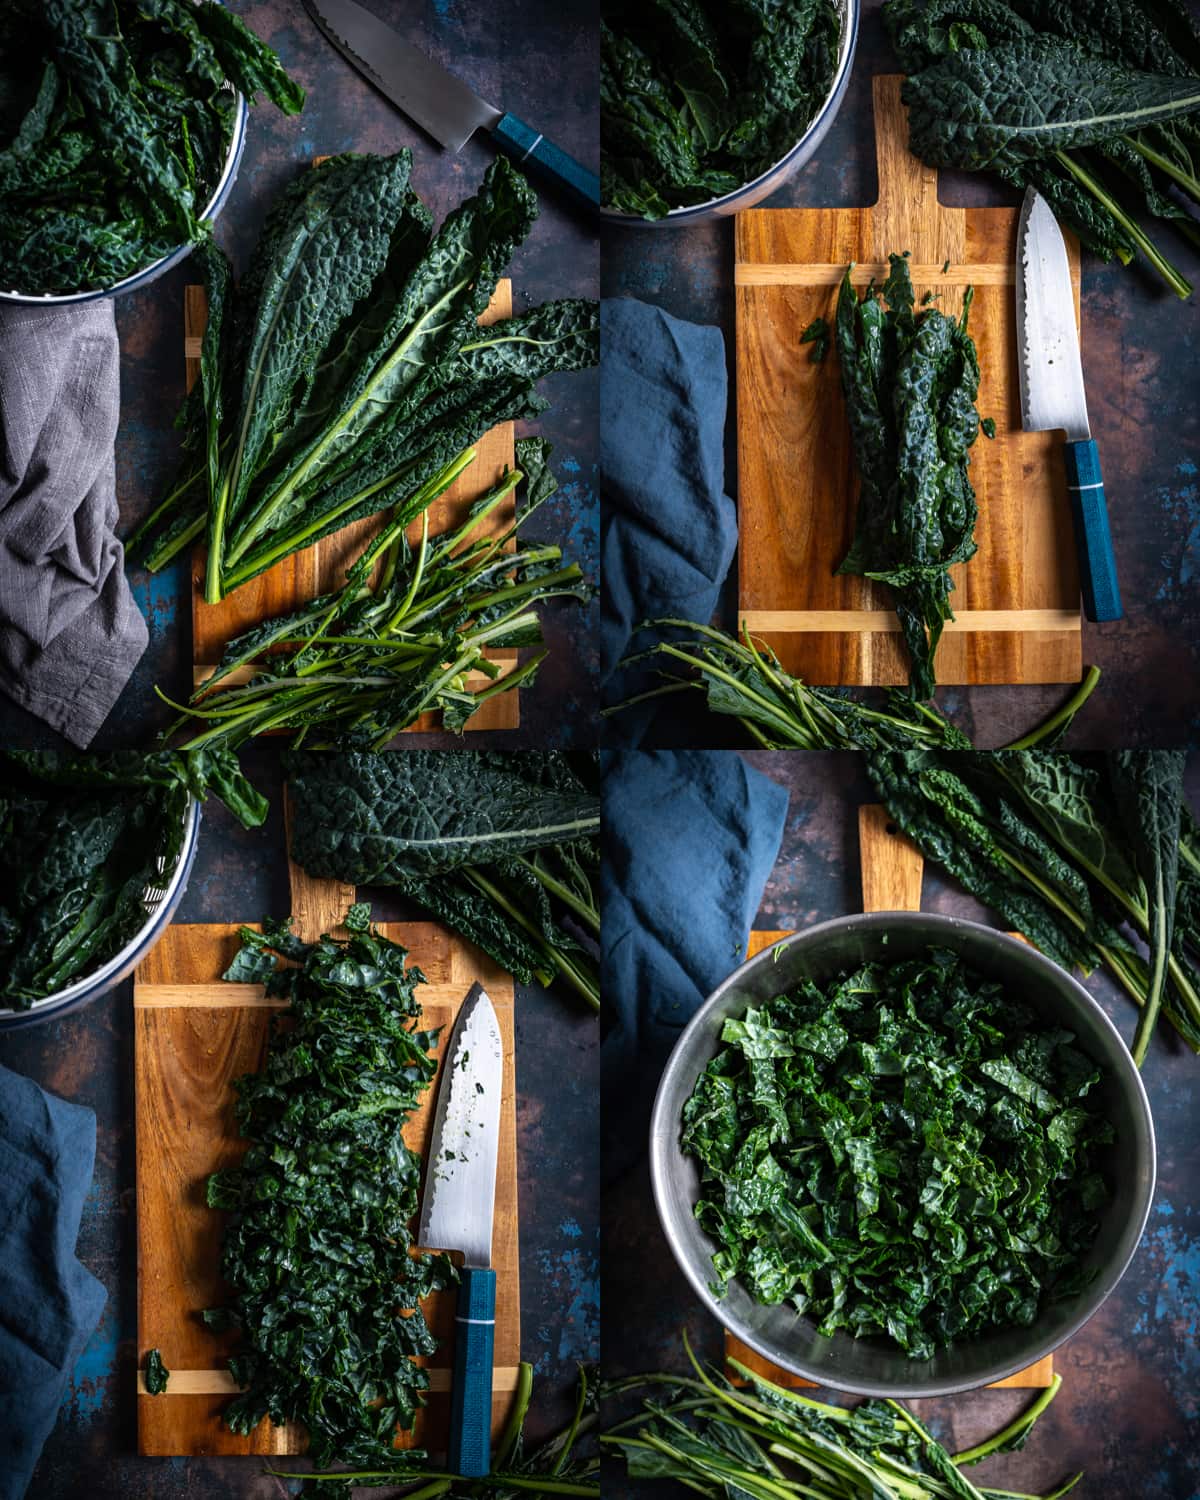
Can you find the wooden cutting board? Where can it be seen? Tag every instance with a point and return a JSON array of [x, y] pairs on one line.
[[1017, 601], [322, 567], [892, 867], [193, 1036]]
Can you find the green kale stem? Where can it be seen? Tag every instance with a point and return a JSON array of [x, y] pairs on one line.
[[1015, 1431], [582, 909], [1177, 282], [1186, 181], [1061, 716], [562, 963]]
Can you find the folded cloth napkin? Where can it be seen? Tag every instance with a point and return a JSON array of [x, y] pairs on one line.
[[70, 631], [690, 840], [49, 1303], [667, 529]]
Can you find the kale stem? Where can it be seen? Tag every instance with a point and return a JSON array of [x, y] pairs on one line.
[[1178, 284], [216, 542], [168, 503], [166, 550], [516, 1419], [1164, 164], [580, 982], [1061, 716], [1015, 1429]]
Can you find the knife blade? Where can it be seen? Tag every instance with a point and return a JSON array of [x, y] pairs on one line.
[[457, 1210], [1050, 375], [440, 103]]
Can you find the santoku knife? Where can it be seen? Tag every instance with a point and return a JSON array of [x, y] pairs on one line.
[[1051, 378], [457, 1211], [439, 102]]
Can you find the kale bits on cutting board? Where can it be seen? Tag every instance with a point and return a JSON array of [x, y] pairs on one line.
[[901, 1153], [1016, 605]]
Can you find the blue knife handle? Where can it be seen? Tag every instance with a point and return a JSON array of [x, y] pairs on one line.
[[531, 151], [470, 1450], [1097, 565]]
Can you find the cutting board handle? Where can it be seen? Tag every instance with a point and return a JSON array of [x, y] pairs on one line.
[[907, 215], [892, 864], [317, 905]]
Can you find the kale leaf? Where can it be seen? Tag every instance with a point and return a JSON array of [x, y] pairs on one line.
[[697, 98], [903, 1153], [318, 1248], [910, 380], [115, 120], [350, 375], [88, 842], [503, 848], [157, 1374]]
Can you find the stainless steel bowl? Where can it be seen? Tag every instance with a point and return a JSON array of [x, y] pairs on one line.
[[869, 1367], [156, 268], [775, 176], [161, 903]]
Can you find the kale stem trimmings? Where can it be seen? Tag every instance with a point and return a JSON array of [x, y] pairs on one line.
[[901, 1153]]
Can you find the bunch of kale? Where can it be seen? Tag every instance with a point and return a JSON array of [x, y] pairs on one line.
[[86, 842], [347, 373], [115, 119], [904, 1153], [505, 849], [1092, 102], [910, 379], [697, 98]]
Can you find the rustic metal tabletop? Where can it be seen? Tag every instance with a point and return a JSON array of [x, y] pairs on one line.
[[1129, 1409], [1140, 349]]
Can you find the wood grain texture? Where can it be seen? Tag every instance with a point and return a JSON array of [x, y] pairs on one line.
[[189, 1047], [892, 867], [323, 566], [797, 486]]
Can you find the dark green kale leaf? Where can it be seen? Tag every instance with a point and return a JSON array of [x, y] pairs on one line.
[[910, 380], [318, 1250], [503, 848], [157, 1374], [88, 840], [904, 1153]]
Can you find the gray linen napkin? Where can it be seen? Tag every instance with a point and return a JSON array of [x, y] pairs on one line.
[[70, 631]]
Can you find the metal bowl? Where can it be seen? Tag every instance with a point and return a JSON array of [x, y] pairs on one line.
[[775, 176], [156, 268], [870, 1367], [161, 903]]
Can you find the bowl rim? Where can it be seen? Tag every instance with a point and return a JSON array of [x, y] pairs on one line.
[[664, 1134], [110, 973], [685, 213], [216, 202]]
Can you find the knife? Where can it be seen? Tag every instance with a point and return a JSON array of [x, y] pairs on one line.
[[456, 1214], [438, 101], [1051, 378]]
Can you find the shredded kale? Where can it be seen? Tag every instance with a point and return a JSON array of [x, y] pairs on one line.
[[157, 1374], [904, 1153]]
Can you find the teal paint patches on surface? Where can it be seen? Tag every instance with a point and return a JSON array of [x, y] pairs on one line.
[[572, 1280], [570, 1227], [1172, 1308], [88, 1388], [1181, 502], [158, 596]]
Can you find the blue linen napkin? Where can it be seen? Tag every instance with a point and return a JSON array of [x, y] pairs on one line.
[[667, 528], [49, 1303], [690, 840]]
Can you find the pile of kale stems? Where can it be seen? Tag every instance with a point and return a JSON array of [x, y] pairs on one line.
[[115, 121], [409, 633], [698, 97], [504, 849], [757, 1441], [830, 1130], [1092, 102], [346, 373], [87, 842]]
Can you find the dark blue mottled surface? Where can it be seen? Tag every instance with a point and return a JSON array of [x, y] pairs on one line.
[[1141, 350], [1129, 1409], [537, 57]]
